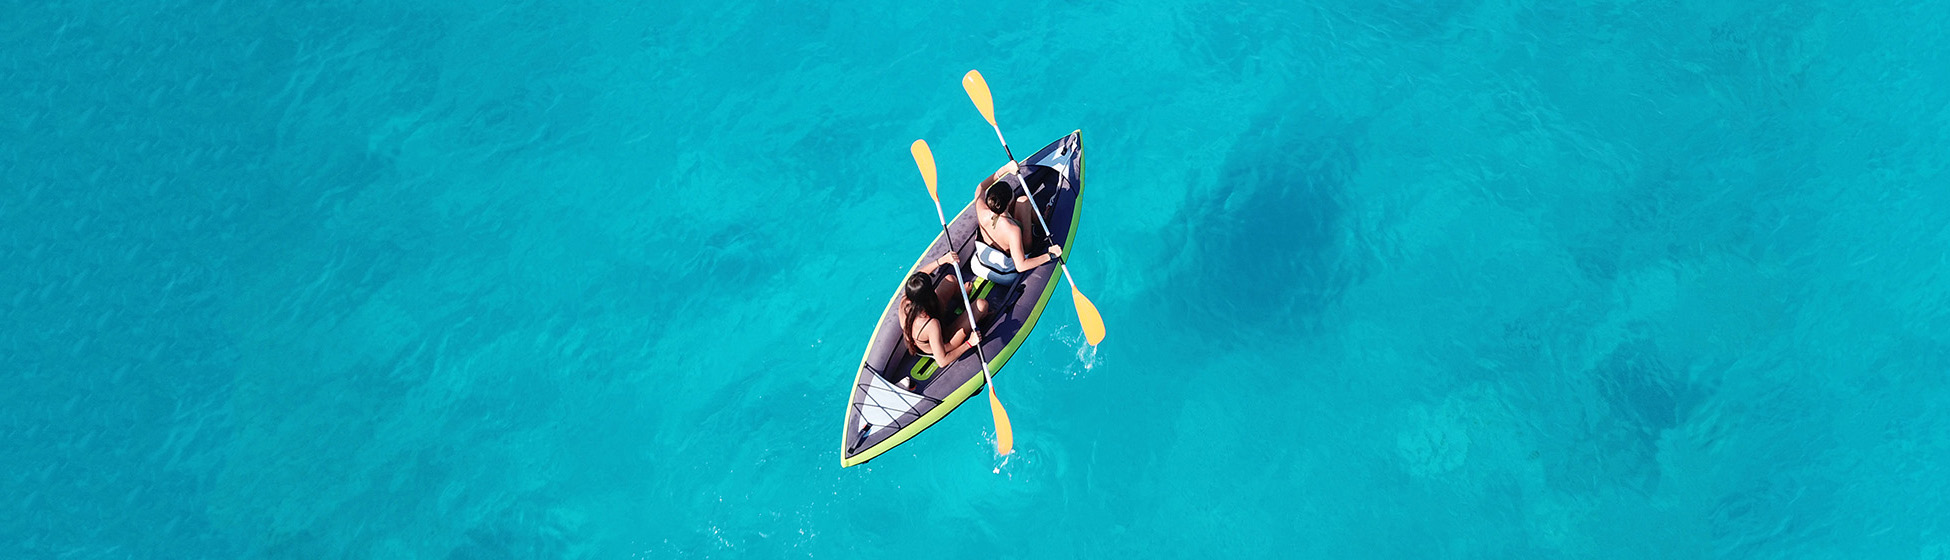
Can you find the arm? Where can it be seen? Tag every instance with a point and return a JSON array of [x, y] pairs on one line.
[[1017, 250], [945, 258], [936, 346], [1016, 253], [1006, 169]]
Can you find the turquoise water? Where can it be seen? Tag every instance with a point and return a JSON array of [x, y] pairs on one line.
[[1405, 279]]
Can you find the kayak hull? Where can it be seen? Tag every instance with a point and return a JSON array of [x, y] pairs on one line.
[[880, 414]]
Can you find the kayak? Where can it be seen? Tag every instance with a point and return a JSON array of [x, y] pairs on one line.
[[880, 413]]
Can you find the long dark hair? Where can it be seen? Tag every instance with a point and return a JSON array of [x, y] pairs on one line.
[[921, 298], [997, 196]]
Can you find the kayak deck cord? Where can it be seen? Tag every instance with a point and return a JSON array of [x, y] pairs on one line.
[[867, 428]]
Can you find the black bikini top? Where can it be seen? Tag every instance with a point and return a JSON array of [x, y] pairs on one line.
[[939, 274]]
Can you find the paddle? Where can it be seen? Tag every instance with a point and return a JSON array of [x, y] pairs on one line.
[[1093, 323], [1005, 439]]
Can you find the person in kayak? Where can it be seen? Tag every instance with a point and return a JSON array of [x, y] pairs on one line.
[[931, 312], [1007, 227]]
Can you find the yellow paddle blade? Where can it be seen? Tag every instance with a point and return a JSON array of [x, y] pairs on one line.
[[1093, 323], [978, 91], [1005, 437], [924, 159]]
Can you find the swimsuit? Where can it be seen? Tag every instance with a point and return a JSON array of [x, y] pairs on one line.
[[939, 274]]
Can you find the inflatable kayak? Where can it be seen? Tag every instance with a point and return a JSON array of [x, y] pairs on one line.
[[880, 413]]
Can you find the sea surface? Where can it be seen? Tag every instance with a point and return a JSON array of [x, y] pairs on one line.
[[589, 279]]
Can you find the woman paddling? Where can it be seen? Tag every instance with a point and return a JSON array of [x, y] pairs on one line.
[[1006, 223], [931, 312]]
